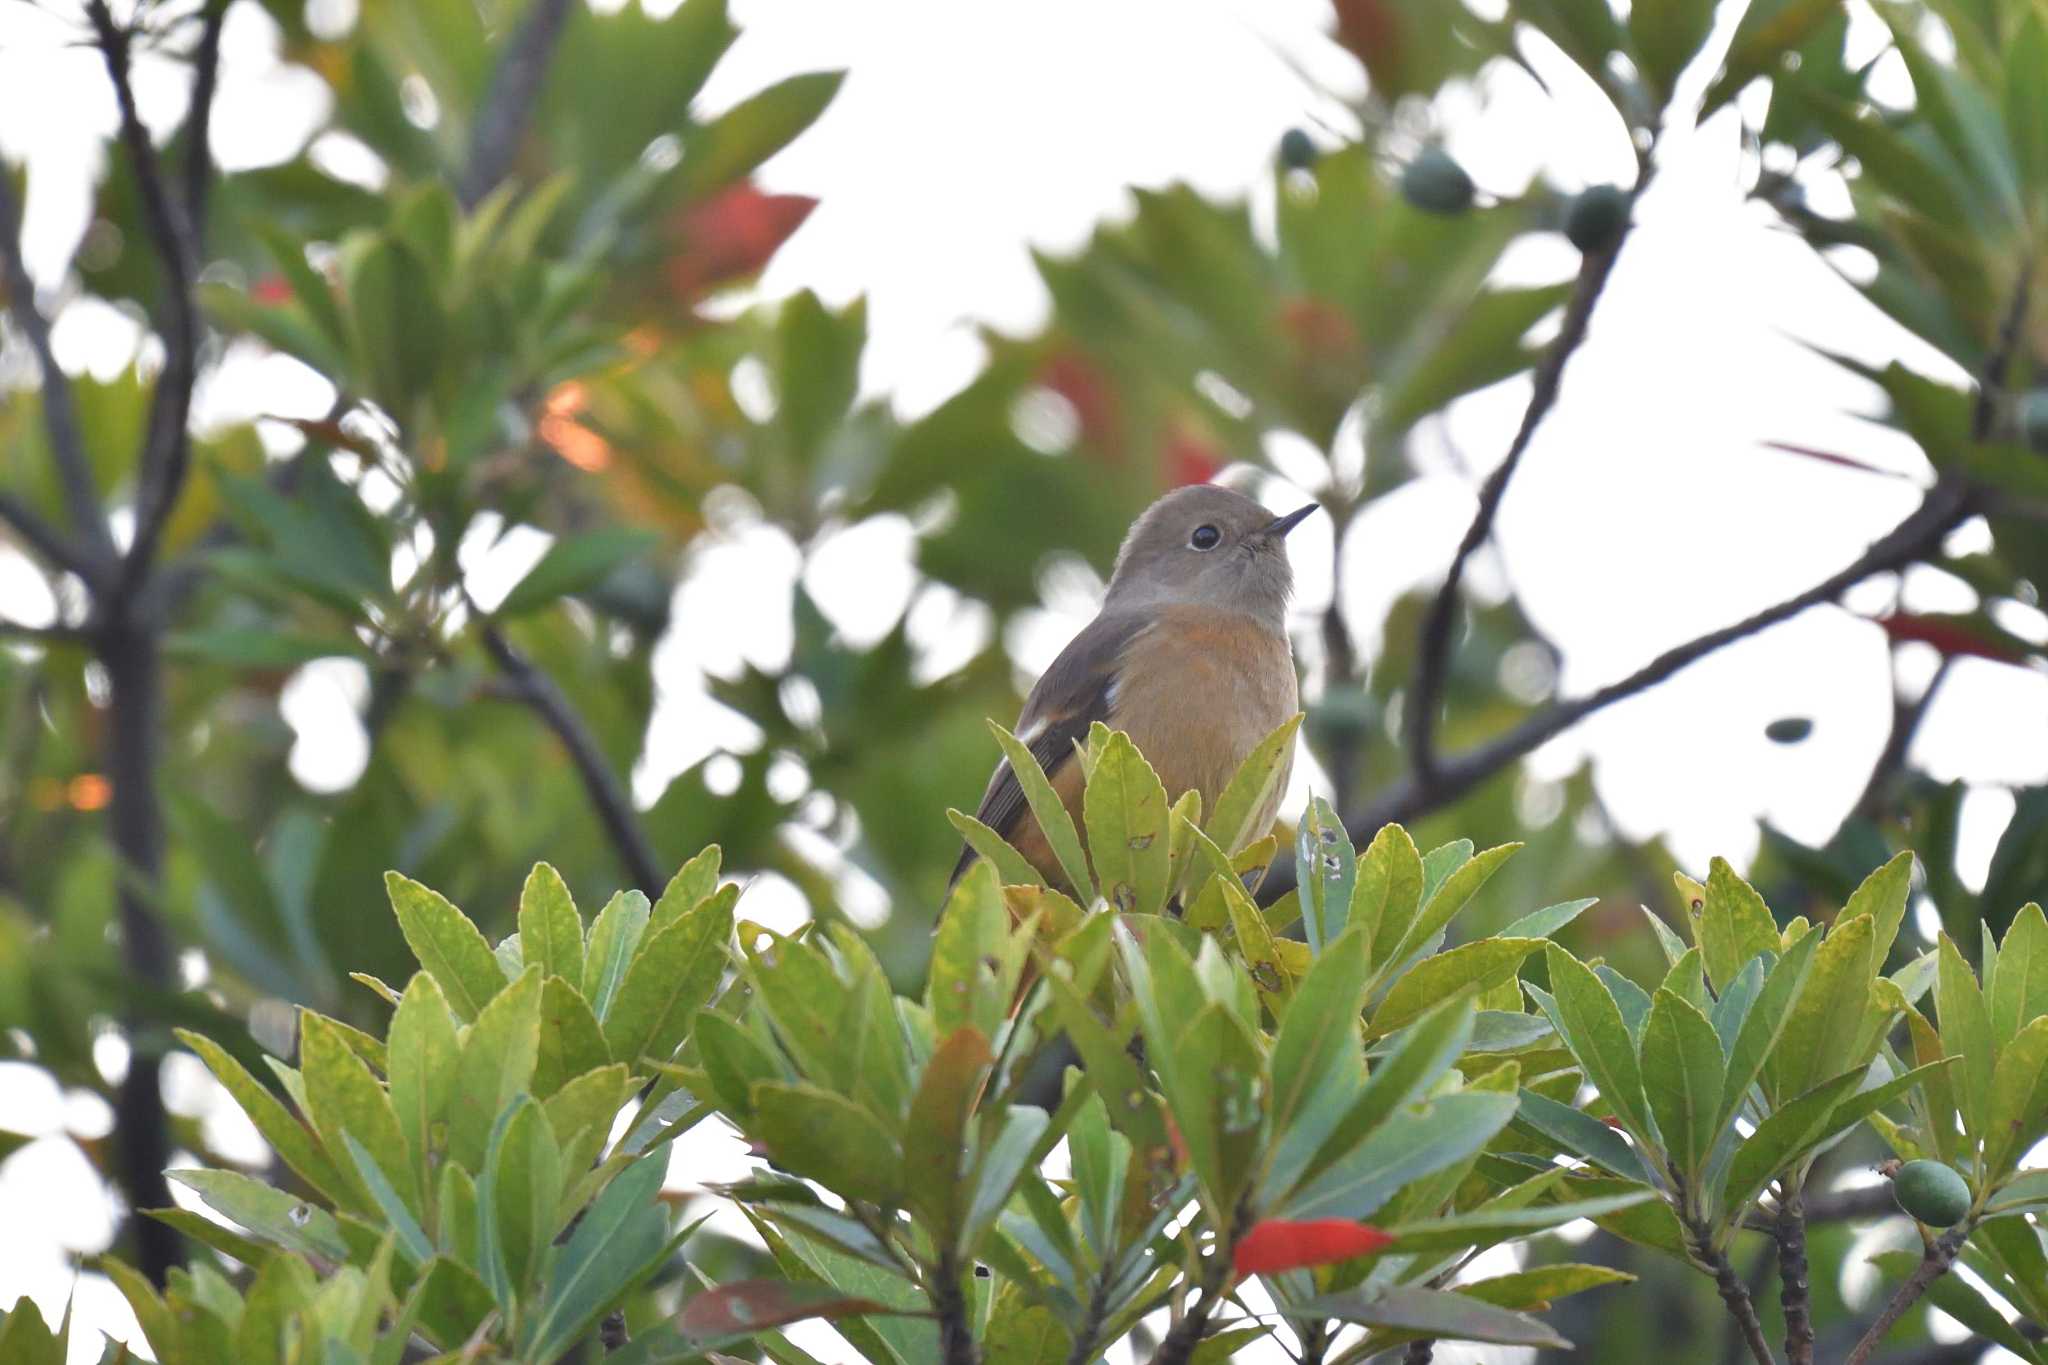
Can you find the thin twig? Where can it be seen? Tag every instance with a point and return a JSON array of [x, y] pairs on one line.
[[167, 445], [1794, 1292], [1906, 719], [508, 104], [1915, 537], [45, 539], [539, 691], [94, 549], [1939, 1257], [199, 129], [1178, 1346], [1433, 660]]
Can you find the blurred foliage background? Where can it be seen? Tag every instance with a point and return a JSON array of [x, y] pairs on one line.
[[520, 303]]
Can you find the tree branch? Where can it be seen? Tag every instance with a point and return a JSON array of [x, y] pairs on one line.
[[508, 104], [166, 447], [1891, 760], [199, 124], [1794, 1291], [956, 1334], [94, 550], [1432, 667], [1178, 1346], [1733, 1292], [1914, 538], [537, 690], [1940, 1256]]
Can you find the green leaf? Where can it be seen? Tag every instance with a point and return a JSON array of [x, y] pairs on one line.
[[1768, 30], [935, 1138], [1318, 1062], [1388, 891], [1488, 1227], [1683, 1074], [743, 1308], [343, 1097], [2018, 1110], [1010, 865], [268, 1212], [1734, 925], [1046, 807], [1547, 921], [1476, 966], [1124, 807], [1430, 1313], [1326, 871], [1765, 1024], [1779, 1140], [423, 1055], [1591, 1025], [262, 648], [582, 1111], [282, 1289], [2019, 991], [1965, 1033], [830, 1139], [1408, 1145], [1450, 896], [1539, 1286], [1581, 1134], [550, 930], [1218, 1097], [694, 881], [616, 1245], [1883, 896], [574, 564], [614, 936], [496, 1065], [398, 324], [571, 1042], [1004, 1159], [412, 1240], [753, 130], [1253, 789], [294, 1143], [1421, 1054], [963, 982], [522, 1182], [1667, 34], [447, 944], [671, 977], [1827, 1016]]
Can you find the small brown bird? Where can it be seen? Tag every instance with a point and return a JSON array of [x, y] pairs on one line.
[[1189, 656]]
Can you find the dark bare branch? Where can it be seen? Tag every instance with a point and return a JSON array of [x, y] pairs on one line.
[[94, 548], [199, 123], [508, 104], [1425, 695], [1916, 537], [166, 446], [1936, 1262], [540, 692]]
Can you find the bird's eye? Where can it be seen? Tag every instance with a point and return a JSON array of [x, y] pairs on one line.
[[1205, 537]]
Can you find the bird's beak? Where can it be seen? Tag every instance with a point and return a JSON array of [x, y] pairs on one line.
[[1280, 526]]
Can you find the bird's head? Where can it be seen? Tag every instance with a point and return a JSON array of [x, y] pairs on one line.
[[1205, 545]]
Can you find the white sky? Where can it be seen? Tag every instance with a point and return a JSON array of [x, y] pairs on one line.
[[1646, 511]]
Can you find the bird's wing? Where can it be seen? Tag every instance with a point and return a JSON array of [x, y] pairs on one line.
[[1078, 690]]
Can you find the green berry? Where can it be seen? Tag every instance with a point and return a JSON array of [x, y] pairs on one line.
[[1932, 1193], [1596, 217], [1297, 150], [1788, 730], [2034, 419], [1435, 183]]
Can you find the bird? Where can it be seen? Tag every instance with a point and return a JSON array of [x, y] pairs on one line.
[[1189, 656]]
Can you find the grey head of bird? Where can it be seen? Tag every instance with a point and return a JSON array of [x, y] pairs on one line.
[[1205, 545]]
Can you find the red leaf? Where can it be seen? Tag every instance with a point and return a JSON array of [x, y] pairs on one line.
[[730, 236], [1187, 456], [1951, 635], [1829, 457], [1079, 380], [1278, 1244], [271, 289], [748, 1306]]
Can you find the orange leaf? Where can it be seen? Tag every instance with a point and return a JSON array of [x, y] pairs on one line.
[[730, 236], [1278, 1244]]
